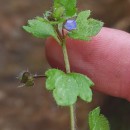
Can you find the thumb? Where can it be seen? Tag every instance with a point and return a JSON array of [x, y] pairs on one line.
[[105, 59]]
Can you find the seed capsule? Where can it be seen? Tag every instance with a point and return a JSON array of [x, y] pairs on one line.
[[27, 79]]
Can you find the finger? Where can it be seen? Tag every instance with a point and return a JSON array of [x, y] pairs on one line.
[[105, 59]]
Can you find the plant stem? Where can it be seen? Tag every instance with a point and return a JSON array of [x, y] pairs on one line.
[[39, 76], [66, 59], [67, 67], [72, 117]]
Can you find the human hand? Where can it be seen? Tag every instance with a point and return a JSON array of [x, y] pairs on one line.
[[105, 59]]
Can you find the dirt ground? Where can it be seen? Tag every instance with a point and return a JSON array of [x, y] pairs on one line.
[[34, 108]]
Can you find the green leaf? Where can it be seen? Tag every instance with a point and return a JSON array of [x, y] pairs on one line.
[[69, 6], [40, 28], [67, 87], [66, 91], [58, 12], [52, 76], [98, 121], [86, 28], [84, 84]]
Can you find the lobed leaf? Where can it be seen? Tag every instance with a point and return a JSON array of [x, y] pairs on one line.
[[98, 121], [67, 87], [40, 28], [86, 28]]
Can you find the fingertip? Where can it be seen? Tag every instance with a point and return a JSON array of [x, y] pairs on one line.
[[103, 59]]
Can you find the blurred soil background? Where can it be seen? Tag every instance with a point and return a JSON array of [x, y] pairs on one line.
[[34, 108]]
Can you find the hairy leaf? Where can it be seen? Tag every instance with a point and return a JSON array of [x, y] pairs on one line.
[[86, 28], [40, 28], [98, 121], [67, 87]]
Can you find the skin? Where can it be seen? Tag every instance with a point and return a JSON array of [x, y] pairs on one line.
[[105, 59]]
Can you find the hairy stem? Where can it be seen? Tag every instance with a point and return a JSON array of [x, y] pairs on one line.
[[67, 66], [66, 59]]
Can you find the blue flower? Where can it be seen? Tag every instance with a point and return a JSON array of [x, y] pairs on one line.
[[70, 25]]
